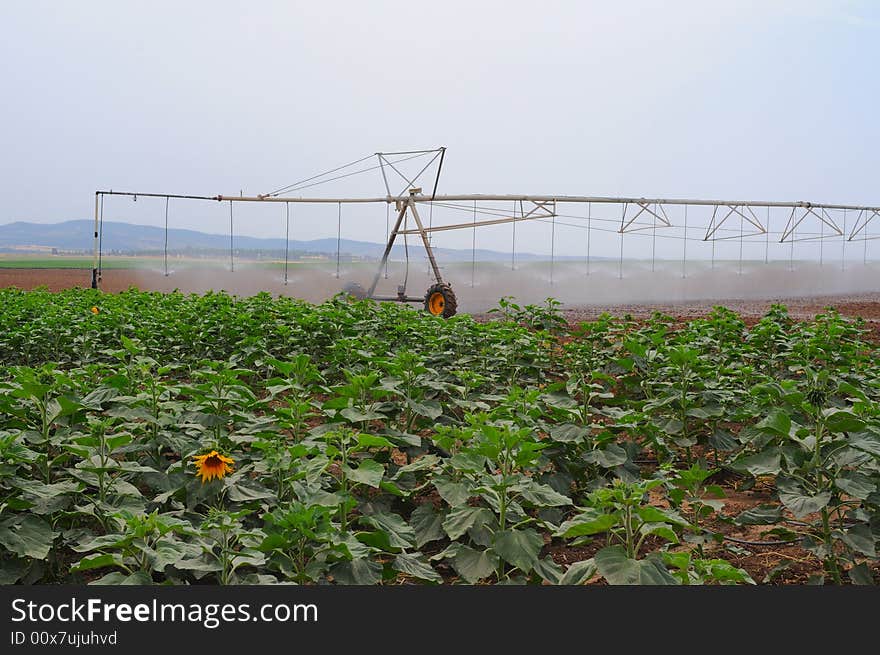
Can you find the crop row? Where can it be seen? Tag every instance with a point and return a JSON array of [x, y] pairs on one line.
[[170, 438]]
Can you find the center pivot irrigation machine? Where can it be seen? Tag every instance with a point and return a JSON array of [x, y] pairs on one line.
[[627, 216]]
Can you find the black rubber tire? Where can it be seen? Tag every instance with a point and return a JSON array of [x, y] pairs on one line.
[[354, 290], [449, 305]]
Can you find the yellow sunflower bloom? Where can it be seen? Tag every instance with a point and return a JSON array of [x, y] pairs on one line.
[[95, 310], [212, 465]]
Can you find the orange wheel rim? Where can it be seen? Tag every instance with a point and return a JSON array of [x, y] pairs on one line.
[[436, 303]]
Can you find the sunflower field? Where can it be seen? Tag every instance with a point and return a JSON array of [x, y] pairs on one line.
[[150, 438]]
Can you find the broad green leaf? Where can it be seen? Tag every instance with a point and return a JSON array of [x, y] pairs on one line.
[[138, 578], [96, 562], [608, 457], [767, 462], [354, 415], [568, 433], [518, 547], [801, 504], [461, 519], [427, 524], [424, 463], [369, 472], [579, 572], [843, 421], [618, 569], [542, 495], [417, 567], [869, 442], [241, 493], [776, 422], [357, 572], [860, 539], [27, 536], [428, 408], [857, 485], [474, 565], [400, 534], [661, 530], [760, 515], [860, 574], [12, 570], [373, 441], [590, 522], [454, 493], [653, 514]]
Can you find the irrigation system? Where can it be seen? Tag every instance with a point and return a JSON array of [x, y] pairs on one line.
[[747, 221]]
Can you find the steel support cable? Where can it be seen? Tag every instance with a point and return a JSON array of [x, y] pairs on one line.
[[315, 177], [301, 185]]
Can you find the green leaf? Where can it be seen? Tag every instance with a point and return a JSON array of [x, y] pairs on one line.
[[765, 514], [579, 572], [568, 433], [860, 539], [417, 567], [139, 578], [96, 562], [27, 536], [461, 519], [369, 472], [424, 463], [241, 493], [618, 569], [767, 462], [661, 530], [474, 565], [354, 415], [373, 441], [399, 532], [843, 421], [591, 521], [428, 408], [866, 441], [427, 524], [652, 514], [518, 547], [12, 570], [357, 572], [608, 457], [542, 495], [857, 485], [860, 574], [801, 504], [777, 422], [454, 493]]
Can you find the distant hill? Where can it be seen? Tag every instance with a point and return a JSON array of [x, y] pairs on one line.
[[128, 238]]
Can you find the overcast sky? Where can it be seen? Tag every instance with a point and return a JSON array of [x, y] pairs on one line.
[[748, 99]]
